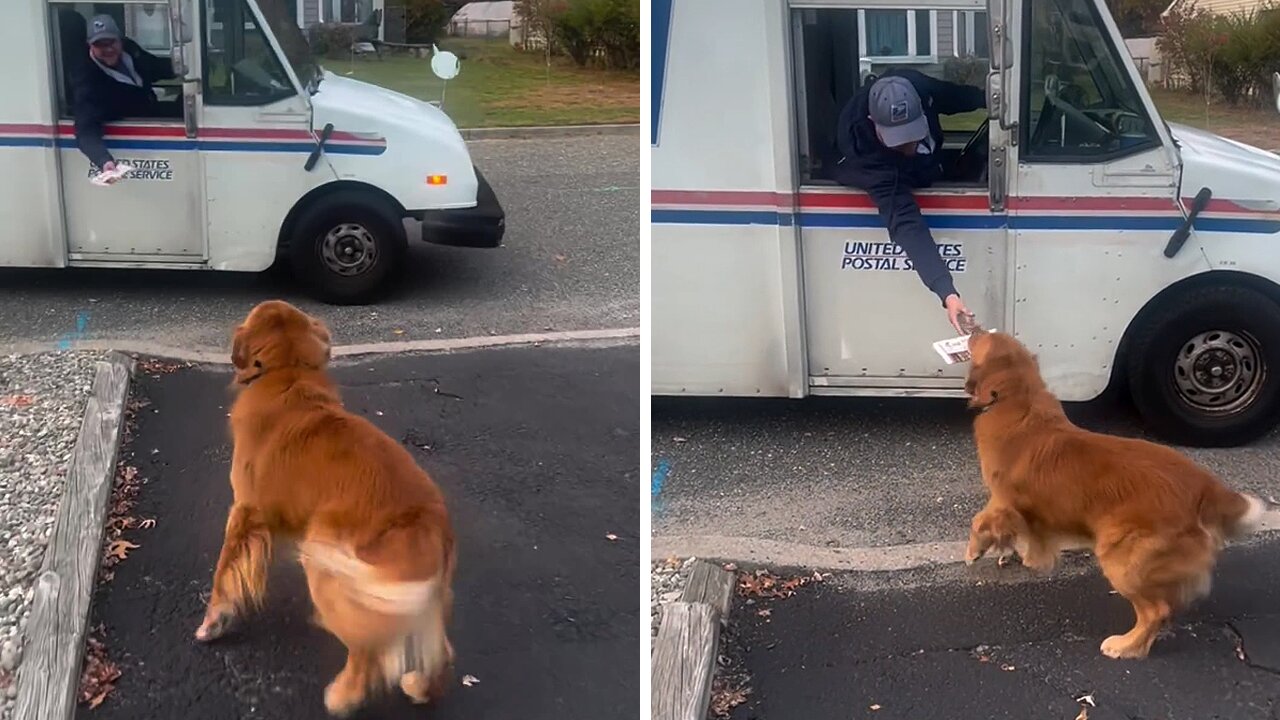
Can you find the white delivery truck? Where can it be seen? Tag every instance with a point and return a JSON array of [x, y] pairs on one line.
[[1124, 250], [261, 154]]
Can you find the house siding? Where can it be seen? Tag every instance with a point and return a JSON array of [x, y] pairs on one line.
[[946, 46], [1231, 7], [310, 12]]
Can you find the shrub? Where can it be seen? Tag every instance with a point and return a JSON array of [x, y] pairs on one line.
[[591, 32], [1231, 56], [331, 39], [425, 20], [968, 70]]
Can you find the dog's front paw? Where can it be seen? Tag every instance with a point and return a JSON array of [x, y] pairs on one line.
[[1119, 647], [974, 552], [217, 620], [1040, 563]]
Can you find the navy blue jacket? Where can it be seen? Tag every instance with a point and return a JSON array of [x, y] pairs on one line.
[[863, 162], [97, 99]]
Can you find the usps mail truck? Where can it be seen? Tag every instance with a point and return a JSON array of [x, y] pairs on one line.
[[1126, 251], [260, 153]]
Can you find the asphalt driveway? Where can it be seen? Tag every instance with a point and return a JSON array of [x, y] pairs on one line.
[[537, 450]]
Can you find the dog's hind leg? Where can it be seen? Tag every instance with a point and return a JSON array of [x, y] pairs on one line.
[[1151, 616], [428, 654], [240, 579], [351, 687]]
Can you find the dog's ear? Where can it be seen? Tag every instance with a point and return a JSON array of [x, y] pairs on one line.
[[247, 368], [239, 351], [321, 331]]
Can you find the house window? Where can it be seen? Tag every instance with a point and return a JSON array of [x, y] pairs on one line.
[[897, 33], [971, 37], [346, 11]]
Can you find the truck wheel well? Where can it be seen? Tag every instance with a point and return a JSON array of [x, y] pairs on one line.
[[318, 195], [1234, 278]]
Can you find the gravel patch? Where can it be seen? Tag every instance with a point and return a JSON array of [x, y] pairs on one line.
[[668, 580], [42, 401]]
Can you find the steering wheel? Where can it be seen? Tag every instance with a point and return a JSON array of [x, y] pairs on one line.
[[1052, 86]]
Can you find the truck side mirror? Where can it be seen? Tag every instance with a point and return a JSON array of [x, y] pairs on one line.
[[1275, 88]]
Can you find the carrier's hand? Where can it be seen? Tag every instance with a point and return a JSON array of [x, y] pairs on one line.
[[959, 315]]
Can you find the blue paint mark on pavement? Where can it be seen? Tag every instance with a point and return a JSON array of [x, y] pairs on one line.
[[82, 324], [660, 473]]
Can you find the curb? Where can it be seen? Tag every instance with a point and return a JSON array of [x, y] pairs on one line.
[[607, 337], [883, 558], [685, 651], [49, 674], [555, 131]]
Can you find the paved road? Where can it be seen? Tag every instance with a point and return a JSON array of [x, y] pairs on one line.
[[982, 643], [852, 472], [570, 261], [537, 451]]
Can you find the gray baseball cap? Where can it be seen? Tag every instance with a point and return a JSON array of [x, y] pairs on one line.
[[103, 27], [896, 111]]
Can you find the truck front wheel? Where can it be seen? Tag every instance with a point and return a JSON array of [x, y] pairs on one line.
[[1204, 371], [346, 247]]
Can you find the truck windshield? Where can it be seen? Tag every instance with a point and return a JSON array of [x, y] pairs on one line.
[[281, 17], [1081, 99]]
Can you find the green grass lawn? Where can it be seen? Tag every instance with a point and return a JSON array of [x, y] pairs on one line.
[[499, 86], [1259, 127]]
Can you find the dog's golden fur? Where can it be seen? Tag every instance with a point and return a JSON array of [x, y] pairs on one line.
[[373, 532], [1154, 519]]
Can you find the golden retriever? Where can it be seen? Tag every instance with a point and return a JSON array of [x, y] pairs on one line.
[[1154, 519], [372, 530]]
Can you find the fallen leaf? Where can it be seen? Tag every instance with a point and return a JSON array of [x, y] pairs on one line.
[[398, 331], [1087, 699], [875, 707], [18, 401], [469, 680], [611, 537], [1084, 714], [725, 696], [765, 613], [148, 523], [120, 548], [560, 258], [731, 566]]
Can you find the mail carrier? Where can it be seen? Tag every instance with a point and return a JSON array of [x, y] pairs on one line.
[[260, 153], [1124, 250]]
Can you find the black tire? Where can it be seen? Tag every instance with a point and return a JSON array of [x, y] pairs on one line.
[[348, 247], [1204, 370]]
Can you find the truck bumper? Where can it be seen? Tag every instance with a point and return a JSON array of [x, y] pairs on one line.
[[482, 226]]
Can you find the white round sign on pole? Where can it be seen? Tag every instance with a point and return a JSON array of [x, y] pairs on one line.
[[444, 63]]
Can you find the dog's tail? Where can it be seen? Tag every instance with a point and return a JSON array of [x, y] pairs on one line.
[[1233, 515], [418, 607]]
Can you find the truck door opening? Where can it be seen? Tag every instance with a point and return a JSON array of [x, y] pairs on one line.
[[833, 49]]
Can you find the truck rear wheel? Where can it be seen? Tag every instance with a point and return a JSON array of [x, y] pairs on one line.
[[346, 247], [1205, 371]]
